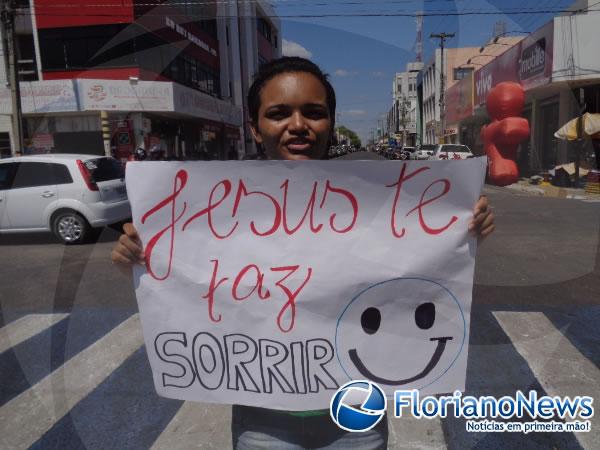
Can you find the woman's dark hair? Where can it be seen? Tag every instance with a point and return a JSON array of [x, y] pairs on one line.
[[288, 64]]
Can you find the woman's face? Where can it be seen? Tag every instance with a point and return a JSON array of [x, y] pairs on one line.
[[293, 119]]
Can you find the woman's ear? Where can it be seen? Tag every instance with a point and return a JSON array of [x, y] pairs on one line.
[[255, 133]]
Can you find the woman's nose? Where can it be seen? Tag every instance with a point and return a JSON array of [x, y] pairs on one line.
[[297, 122]]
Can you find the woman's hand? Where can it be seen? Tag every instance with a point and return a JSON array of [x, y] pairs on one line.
[[128, 250], [483, 219]]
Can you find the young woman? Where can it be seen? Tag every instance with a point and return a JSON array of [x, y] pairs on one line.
[[292, 110]]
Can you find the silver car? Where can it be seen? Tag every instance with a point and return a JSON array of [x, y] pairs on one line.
[[67, 194]]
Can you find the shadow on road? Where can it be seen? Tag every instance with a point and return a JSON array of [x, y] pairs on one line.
[[108, 234]]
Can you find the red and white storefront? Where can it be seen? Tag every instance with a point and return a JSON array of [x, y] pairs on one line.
[[64, 116]]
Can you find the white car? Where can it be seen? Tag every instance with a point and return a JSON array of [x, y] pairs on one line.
[[63, 193], [424, 151], [451, 151]]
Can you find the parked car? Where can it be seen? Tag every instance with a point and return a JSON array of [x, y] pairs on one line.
[[409, 152], [70, 195], [452, 151], [425, 151]]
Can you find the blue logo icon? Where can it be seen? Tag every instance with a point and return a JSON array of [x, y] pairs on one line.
[[358, 406]]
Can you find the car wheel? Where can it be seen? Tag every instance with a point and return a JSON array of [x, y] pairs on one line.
[[71, 228]]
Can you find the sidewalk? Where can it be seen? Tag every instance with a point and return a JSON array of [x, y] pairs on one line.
[[547, 190]]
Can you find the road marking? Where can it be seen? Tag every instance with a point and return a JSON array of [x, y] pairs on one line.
[[27, 417], [25, 328], [556, 363], [408, 432], [196, 425]]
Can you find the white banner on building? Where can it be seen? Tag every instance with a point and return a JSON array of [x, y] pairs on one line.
[[42, 97], [272, 283], [122, 95], [198, 104]]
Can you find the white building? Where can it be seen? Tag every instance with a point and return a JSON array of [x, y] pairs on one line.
[[403, 116]]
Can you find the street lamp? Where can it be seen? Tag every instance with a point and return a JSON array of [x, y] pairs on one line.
[[482, 48], [497, 38], [469, 61]]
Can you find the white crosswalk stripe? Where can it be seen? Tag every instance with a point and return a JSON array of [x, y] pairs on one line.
[[25, 328], [26, 418], [556, 363]]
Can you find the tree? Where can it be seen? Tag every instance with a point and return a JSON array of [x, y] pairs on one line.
[[352, 136]]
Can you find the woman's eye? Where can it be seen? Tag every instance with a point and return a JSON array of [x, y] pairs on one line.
[[316, 115], [275, 116]]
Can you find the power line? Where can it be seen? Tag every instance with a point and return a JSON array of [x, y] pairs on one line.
[[311, 16]]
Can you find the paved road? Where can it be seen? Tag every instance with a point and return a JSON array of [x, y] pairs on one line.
[[75, 373]]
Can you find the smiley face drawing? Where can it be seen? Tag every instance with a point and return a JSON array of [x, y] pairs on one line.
[[404, 332]]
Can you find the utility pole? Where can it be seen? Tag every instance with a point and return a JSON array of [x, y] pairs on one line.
[[403, 113], [442, 37], [7, 24]]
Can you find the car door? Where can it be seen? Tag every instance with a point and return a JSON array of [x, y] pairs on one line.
[[6, 175], [33, 190]]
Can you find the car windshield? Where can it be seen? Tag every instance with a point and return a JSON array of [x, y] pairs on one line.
[[105, 169]]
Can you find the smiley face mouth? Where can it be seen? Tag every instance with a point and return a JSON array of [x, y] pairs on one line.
[[439, 350]]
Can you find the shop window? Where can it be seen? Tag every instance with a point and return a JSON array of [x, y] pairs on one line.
[[85, 47], [209, 27], [264, 28], [461, 73], [5, 150]]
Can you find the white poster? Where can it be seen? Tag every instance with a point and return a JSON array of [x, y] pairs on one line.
[[272, 283], [41, 97], [123, 95]]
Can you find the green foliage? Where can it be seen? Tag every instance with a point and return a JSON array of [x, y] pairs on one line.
[[354, 139]]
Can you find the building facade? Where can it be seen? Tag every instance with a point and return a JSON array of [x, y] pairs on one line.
[[402, 118], [559, 69], [172, 78], [459, 64]]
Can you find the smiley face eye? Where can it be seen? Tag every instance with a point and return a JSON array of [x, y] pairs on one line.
[[425, 315], [370, 320]]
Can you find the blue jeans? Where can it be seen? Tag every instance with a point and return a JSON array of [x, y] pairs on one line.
[[259, 428]]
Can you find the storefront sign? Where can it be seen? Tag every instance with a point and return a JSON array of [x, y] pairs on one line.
[[242, 299], [502, 68], [43, 141], [528, 62], [199, 104], [42, 97], [179, 29], [459, 100], [123, 138], [121, 95], [535, 62]]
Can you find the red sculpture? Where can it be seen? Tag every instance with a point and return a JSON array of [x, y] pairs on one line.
[[501, 138]]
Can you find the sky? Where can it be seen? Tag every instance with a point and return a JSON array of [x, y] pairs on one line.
[[362, 54]]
